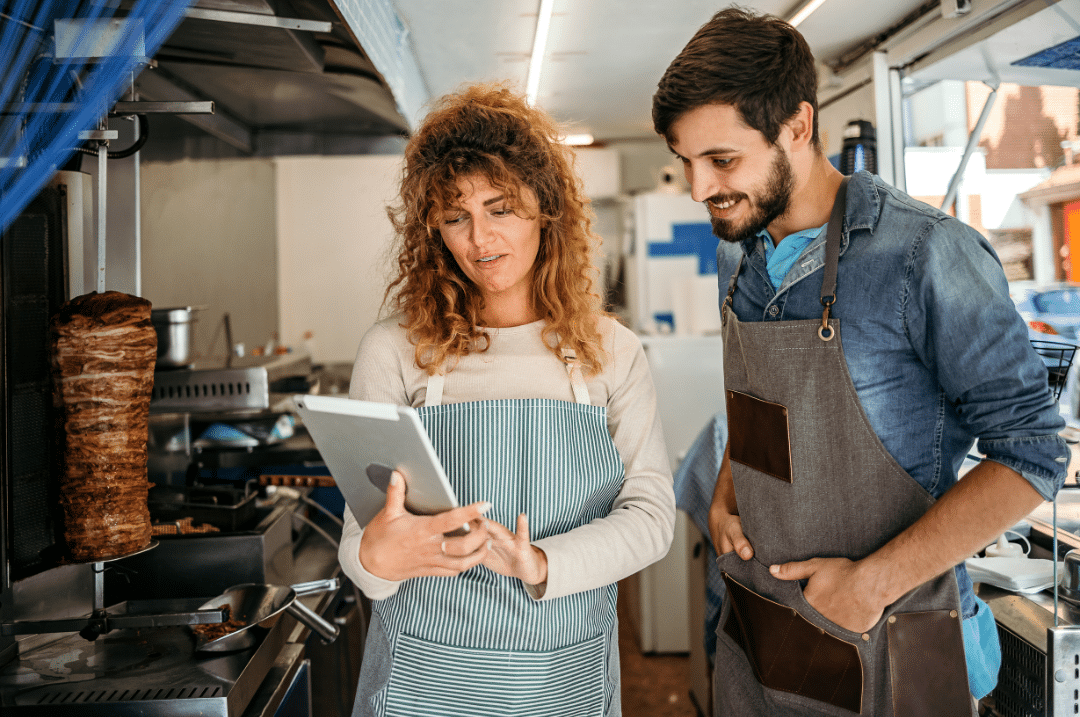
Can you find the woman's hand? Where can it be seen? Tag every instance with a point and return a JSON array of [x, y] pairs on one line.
[[512, 554], [398, 545]]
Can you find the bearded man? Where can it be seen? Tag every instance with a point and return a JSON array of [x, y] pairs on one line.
[[869, 341]]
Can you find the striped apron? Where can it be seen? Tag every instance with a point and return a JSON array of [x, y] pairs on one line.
[[477, 643]]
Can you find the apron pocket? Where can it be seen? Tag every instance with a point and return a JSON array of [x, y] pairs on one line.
[[926, 664], [758, 435], [790, 654], [431, 679]]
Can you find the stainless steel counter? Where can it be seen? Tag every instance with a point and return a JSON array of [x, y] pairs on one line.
[[156, 671], [1040, 670]]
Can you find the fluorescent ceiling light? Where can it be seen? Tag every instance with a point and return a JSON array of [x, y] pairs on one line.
[[804, 12], [543, 25], [577, 139]]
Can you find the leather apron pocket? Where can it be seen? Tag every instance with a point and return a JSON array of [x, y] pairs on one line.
[[758, 435], [927, 676], [789, 653]]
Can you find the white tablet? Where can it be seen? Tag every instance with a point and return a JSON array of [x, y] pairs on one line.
[[361, 442]]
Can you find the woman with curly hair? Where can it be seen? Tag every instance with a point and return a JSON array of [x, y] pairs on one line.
[[542, 410]]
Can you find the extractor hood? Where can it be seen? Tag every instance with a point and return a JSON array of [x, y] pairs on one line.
[[284, 77]]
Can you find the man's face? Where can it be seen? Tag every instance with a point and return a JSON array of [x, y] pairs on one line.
[[745, 182]]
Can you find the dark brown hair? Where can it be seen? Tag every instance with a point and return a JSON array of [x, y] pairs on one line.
[[758, 64], [491, 132]]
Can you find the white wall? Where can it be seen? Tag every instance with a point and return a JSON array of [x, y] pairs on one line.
[[209, 238], [333, 242], [940, 111], [1001, 208]]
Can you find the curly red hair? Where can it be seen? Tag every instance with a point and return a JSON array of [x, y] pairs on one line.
[[490, 132]]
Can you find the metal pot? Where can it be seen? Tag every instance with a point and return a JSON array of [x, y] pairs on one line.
[[174, 329], [255, 604]]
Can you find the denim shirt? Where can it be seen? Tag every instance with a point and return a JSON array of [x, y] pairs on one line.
[[936, 350]]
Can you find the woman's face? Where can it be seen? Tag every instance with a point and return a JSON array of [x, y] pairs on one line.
[[493, 245]]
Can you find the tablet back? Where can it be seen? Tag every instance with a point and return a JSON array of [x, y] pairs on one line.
[[361, 442]]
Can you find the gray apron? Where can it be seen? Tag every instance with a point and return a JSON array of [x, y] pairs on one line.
[[477, 643], [812, 479]]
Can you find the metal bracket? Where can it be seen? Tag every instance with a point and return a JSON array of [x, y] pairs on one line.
[[162, 108], [101, 134], [1063, 670], [248, 18], [101, 622]]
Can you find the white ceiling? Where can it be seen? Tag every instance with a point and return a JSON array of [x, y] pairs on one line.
[[604, 57]]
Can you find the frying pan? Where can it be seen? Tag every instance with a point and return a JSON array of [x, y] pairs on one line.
[[258, 604]]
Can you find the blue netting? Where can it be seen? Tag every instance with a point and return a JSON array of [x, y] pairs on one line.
[[53, 86]]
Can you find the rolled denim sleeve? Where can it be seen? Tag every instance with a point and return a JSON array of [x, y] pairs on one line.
[[963, 325]]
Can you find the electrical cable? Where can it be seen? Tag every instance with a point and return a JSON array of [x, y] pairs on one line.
[[144, 134], [330, 539]]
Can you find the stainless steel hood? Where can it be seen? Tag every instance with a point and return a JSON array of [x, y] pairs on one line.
[[284, 77]]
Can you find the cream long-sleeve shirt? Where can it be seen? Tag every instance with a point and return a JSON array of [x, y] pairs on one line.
[[638, 530]]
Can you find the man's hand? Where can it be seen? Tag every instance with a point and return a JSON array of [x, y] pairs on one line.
[[397, 545], [836, 589], [512, 554], [725, 525], [726, 533]]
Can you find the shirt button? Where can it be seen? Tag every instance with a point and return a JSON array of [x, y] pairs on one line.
[[773, 310]]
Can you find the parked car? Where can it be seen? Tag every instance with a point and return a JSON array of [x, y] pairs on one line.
[[1052, 314]]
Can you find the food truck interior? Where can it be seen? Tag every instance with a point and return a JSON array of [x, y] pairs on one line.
[[230, 160]]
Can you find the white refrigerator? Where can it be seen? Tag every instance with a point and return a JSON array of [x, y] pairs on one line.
[[674, 307], [673, 286]]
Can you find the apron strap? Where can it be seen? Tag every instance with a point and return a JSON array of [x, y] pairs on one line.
[[731, 290], [435, 383], [833, 234], [577, 381], [832, 258]]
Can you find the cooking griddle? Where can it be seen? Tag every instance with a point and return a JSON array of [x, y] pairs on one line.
[[137, 672]]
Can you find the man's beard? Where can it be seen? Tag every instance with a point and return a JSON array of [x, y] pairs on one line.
[[770, 204]]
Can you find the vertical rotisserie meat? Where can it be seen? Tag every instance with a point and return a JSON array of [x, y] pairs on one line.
[[103, 349]]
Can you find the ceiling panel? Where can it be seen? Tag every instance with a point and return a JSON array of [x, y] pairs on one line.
[[997, 57], [604, 57]]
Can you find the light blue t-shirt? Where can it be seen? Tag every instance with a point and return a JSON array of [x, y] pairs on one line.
[[780, 259]]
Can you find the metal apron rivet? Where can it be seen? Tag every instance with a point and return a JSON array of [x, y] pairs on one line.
[[952, 613], [892, 619], [866, 637]]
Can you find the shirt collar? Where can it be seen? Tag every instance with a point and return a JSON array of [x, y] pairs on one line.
[[862, 211]]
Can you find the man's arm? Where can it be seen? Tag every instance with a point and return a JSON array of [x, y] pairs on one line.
[[988, 500], [725, 525]]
